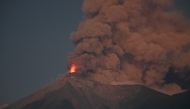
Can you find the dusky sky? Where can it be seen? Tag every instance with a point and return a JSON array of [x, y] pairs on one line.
[[34, 42]]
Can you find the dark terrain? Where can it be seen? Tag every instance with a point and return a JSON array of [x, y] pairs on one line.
[[76, 93]]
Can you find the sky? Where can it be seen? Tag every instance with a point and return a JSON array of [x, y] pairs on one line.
[[34, 42]]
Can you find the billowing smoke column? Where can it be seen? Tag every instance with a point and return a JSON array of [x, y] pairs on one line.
[[131, 40]]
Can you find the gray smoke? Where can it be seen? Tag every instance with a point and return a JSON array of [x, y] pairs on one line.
[[131, 40]]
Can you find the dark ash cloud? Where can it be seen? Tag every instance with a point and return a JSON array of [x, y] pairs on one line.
[[132, 40]]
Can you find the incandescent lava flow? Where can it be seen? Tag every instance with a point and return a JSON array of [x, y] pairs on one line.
[[73, 68]]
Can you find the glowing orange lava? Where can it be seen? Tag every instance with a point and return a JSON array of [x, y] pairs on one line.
[[73, 68]]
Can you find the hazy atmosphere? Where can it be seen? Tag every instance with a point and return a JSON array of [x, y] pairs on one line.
[[35, 42]]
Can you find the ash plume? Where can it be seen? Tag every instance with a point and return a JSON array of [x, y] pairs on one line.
[[132, 40]]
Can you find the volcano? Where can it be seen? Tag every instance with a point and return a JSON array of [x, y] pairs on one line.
[[77, 92], [120, 41]]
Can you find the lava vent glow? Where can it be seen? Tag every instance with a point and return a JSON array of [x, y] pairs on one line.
[[73, 68]]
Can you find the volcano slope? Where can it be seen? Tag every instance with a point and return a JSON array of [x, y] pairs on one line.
[[76, 92]]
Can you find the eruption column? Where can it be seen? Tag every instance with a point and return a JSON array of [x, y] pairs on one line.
[[135, 40]]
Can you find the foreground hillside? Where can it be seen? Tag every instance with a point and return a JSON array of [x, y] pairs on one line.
[[78, 93]]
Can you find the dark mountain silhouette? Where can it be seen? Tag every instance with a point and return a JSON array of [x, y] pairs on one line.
[[74, 92]]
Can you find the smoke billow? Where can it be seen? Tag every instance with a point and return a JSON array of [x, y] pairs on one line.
[[132, 40]]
